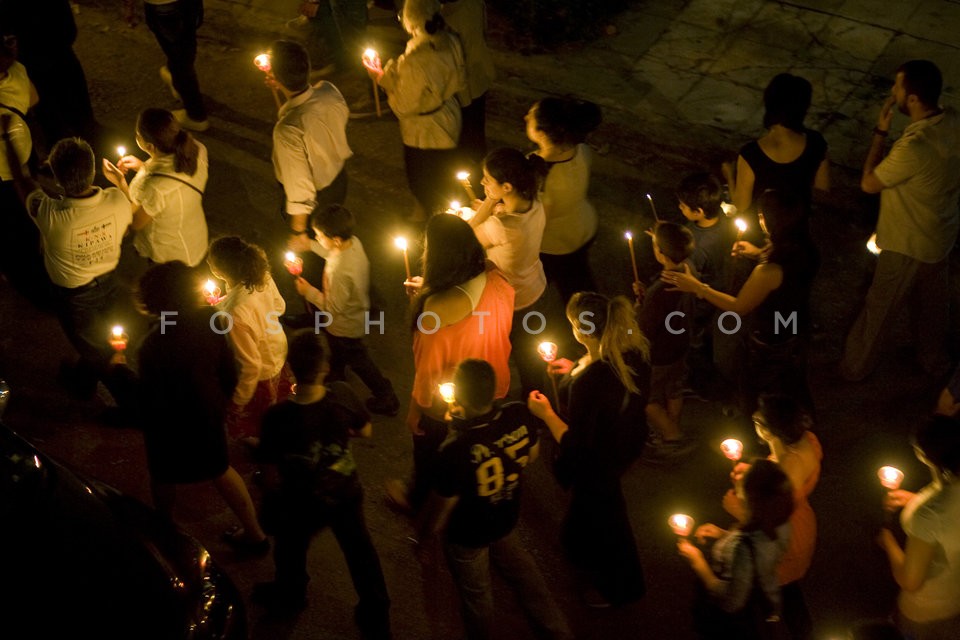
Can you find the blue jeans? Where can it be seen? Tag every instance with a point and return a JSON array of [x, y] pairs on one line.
[[471, 573], [175, 27]]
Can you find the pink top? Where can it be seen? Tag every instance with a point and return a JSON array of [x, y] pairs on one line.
[[479, 335]]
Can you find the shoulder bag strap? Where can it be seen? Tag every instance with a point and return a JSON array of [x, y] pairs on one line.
[[167, 175]]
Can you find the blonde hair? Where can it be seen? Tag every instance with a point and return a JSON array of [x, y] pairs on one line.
[[613, 319]]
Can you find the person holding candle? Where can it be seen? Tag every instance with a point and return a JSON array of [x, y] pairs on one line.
[[183, 384], [559, 127], [462, 308], [600, 428], [927, 567], [312, 484], [422, 86], [476, 503], [785, 427], [776, 296], [738, 595], [509, 224], [345, 298], [167, 192], [251, 310], [310, 146], [664, 320]]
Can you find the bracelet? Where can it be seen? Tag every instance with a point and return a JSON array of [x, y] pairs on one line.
[[877, 131], [294, 232]]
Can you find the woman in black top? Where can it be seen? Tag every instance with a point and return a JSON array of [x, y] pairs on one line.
[[601, 431]]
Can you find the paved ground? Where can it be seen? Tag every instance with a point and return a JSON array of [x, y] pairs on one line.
[[681, 86]]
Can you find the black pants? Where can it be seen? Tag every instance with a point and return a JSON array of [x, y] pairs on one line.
[[295, 520], [473, 137], [425, 450], [431, 176], [352, 352], [175, 27], [570, 271]]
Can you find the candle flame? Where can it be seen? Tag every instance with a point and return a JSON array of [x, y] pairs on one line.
[[649, 197], [463, 175], [121, 151], [732, 449], [448, 392], [681, 523], [400, 243], [209, 286], [628, 235], [369, 54], [872, 246], [890, 477], [117, 331], [262, 61], [740, 224], [547, 351], [455, 205], [289, 256]]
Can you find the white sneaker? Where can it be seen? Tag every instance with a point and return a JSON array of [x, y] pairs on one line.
[[189, 123], [168, 80]]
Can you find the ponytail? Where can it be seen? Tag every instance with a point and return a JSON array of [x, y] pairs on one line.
[[435, 24], [241, 261], [186, 153], [161, 129]]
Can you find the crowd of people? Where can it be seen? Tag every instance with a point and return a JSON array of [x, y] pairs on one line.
[[727, 316]]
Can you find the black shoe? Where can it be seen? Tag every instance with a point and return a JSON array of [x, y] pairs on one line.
[[278, 600], [385, 406], [236, 537]]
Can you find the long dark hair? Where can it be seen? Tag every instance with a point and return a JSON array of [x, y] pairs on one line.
[[768, 493], [525, 173], [938, 438], [161, 129], [783, 417], [240, 261], [452, 255]]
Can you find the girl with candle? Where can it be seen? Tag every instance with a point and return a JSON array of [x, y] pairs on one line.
[[185, 379], [728, 604], [559, 127], [600, 428], [509, 224], [927, 567], [462, 308], [776, 293], [422, 87], [251, 310], [167, 191], [786, 428]]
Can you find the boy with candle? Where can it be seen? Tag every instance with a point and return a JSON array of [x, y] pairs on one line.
[[477, 504], [345, 298], [313, 484], [664, 319]]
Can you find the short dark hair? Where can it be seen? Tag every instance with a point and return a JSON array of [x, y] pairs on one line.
[[923, 79], [476, 383], [674, 241], [307, 355], [290, 64], [784, 417], [72, 163], [335, 221], [786, 100], [524, 173], [566, 120], [169, 286], [703, 191], [938, 437], [769, 497]]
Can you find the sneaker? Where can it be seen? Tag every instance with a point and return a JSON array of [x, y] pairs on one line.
[[168, 80], [397, 495], [189, 123], [237, 538], [385, 406], [277, 599]]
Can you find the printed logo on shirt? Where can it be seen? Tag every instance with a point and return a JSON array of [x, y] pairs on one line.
[[94, 243]]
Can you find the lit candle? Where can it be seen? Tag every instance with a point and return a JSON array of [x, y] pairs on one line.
[[682, 524], [211, 292], [262, 62], [454, 207], [653, 207], [547, 351], [890, 477], [741, 225], [633, 256], [401, 243], [293, 263], [118, 339], [732, 449], [371, 60], [448, 392], [872, 245], [121, 151], [464, 179], [728, 209]]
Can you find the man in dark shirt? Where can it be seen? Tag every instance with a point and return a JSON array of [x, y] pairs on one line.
[[478, 486], [315, 485]]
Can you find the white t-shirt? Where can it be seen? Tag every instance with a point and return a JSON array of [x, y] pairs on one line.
[[346, 289], [512, 241], [81, 236], [571, 219], [179, 229], [934, 517], [15, 92]]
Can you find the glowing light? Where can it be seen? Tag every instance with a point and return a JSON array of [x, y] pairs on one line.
[[118, 339], [732, 449], [872, 245], [117, 331], [121, 151], [890, 477], [293, 263], [448, 392], [547, 351], [681, 523], [262, 62], [370, 55], [400, 243], [463, 175], [740, 224], [628, 235], [455, 205], [728, 209]]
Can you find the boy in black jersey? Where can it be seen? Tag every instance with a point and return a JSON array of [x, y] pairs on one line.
[[478, 485], [305, 443]]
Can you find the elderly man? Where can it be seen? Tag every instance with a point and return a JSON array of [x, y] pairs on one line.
[[918, 182]]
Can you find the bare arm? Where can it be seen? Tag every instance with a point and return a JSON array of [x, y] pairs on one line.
[[909, 567], [869, 182]]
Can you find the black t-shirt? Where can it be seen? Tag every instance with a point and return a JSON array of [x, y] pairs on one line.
[[666, 347], [483, 464], [310, 443], [711, 251]]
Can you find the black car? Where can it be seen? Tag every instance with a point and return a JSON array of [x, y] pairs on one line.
[[79, 559]]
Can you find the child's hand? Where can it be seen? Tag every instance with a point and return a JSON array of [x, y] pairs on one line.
[[708, 531], [129, 163], [539, 405], [738, 470], [689, 551], [559, 367], [413, 286], [113, 174], [897, 499], [303, 287]]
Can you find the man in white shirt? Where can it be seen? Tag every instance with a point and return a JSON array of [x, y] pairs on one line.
[[309, 140], [919, 183]]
